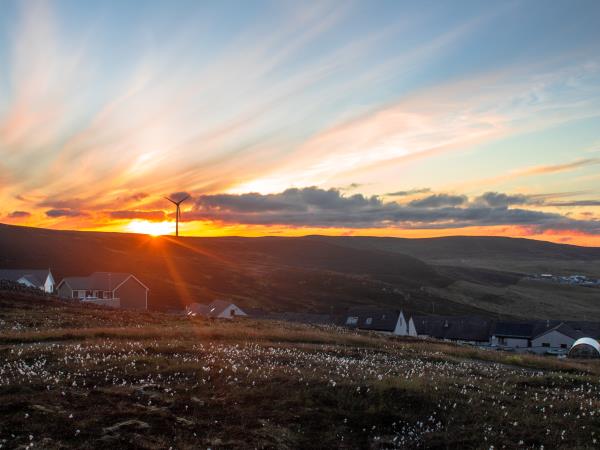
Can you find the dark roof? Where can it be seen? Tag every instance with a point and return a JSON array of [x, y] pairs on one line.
[[214, 309], [534, 328], [467, 328], [36, 277], [586, 329], [98, 281], [374, 319], [198, 308], [523, 330], [574, 330], [472, 328]]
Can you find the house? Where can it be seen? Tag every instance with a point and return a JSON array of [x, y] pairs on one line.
[[382, 320], [541, 336], [512, 335], [119, 290], [39, 279], [218, 309], [558, 337], [461, 329]]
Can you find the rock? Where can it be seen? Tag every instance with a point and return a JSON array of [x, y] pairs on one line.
[[128, 425]]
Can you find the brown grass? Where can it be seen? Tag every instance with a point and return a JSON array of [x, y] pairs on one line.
[[147, 380]]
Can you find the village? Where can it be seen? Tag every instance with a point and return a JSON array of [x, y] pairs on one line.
[[576, 339], [573, 280]]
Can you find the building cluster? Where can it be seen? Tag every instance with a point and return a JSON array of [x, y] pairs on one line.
[[125, 290], [574, 280], [114, 289], [532, 336]]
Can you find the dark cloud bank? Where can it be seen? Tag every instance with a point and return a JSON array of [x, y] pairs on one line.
[[64, 213], [19, 214], [329, 208]]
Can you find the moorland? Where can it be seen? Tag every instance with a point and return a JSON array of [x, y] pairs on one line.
[[81, 376]]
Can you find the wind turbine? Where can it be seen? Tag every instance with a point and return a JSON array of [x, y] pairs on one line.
[[177, 212]]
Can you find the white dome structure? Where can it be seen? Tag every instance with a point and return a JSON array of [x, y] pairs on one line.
[[585, 348]]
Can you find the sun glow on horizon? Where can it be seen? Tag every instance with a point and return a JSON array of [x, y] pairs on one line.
[[151, 228]]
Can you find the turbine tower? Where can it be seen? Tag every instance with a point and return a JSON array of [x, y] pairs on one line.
[[177, 211]]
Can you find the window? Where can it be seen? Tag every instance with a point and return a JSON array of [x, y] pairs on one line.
[[369, 321], [232, 312], [545, 344], [75, 294], [352, 321]]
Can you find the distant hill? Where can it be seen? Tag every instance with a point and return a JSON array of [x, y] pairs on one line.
[[317, 273], [469, 247]]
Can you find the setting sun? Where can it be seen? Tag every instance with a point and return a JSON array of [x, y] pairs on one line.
[[151, 228]]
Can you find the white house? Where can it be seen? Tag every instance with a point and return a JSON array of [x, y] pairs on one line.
[[218, 309], [40, 279], [412, 330], [560, 337]]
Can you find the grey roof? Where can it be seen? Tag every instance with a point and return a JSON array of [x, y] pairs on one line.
[[212, 310], [563, 328], [467, 328], [216, 307], [585, 329], [381, 319], [36, 277], [98, 281], [534, 328], [198, 308]]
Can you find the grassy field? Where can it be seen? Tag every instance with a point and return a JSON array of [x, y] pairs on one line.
[[85, 377]]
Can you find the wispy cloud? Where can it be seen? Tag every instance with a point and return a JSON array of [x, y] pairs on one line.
[[408, 192], [100, 127], [18, 214]]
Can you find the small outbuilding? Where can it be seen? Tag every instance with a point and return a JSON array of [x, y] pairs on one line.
[[218, 309], [585, 347]]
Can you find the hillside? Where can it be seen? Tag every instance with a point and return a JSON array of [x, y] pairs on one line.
[[77, 376], [499, 253], [321, 274]]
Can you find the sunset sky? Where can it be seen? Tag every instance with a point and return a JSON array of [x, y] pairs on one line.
[[381, 118]]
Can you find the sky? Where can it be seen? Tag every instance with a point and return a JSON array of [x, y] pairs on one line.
[[383, 118]]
